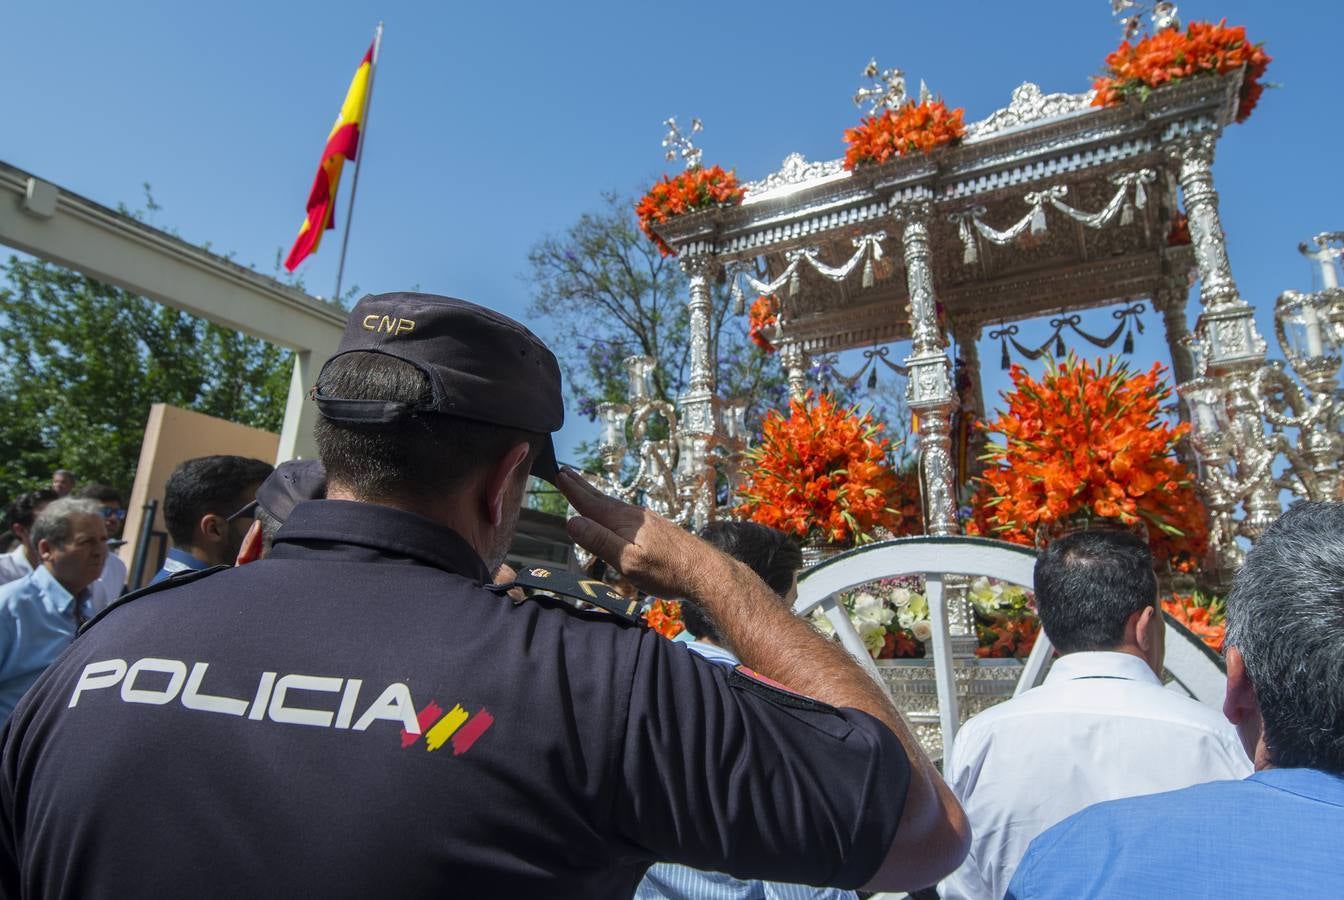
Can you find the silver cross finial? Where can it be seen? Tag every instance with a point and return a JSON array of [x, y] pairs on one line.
[[1163, 14], [682, 144], [887, 90]]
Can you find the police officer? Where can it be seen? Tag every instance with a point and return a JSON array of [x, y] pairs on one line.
[[363, 714]]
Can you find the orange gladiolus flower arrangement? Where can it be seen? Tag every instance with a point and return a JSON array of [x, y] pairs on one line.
[[913, 128], [691, 190], [1205, 616], [763, 314], [664, 617], [1171, 55], [822, 472], [1090, 441]]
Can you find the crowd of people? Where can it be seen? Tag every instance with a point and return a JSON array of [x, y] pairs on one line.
[[335, 686]]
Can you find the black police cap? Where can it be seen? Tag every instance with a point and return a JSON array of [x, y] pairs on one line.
[[481, 366], [290, 484]]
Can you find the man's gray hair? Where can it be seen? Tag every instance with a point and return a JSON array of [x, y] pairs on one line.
[[53, 523], [1286, 615]]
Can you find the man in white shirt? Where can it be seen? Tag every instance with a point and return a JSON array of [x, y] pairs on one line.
[[1101, 727], [19, 516]]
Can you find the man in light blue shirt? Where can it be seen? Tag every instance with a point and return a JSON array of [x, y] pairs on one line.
[[1276, 833], [40, 612], [772, 555]]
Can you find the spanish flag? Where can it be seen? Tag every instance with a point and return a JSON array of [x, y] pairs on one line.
[[342, 144]]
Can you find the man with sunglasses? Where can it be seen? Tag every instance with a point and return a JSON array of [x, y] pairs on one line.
[[113, 580], [207, 508]]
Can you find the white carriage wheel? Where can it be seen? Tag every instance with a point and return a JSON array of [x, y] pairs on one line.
[[1196, 669]]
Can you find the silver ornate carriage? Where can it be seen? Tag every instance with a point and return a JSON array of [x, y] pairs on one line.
[[1050, 205]]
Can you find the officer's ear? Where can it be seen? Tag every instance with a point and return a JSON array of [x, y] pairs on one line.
[[251, 548], [498, 479]]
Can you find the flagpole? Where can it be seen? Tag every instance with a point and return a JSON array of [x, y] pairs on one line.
[[359, 155]]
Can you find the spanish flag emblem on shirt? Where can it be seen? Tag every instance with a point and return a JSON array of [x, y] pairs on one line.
[[342, 144]]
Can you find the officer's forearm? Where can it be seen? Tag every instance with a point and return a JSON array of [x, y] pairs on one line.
[[768, 637], [666, 561]]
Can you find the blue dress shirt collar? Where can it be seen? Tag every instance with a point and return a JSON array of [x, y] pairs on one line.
[[185, 560], [57, 600], [1310, 783]]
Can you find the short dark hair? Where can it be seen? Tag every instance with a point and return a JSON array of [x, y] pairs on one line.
[[1088, 584], [103, 493], [769, 553], [426, 453], [23, 509], [1285, 614], [205, 485]]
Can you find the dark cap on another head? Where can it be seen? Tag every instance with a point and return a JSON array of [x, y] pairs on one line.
[[481, 366], [290, 484]]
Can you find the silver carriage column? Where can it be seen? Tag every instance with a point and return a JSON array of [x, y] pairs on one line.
[[698, 435], [1229, 350], [933, 399], [930, 393]]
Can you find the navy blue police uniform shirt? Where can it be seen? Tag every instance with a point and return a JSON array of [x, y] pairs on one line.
[[358, 716]]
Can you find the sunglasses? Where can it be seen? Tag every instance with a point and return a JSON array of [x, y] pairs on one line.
[[247, 512], [111, 512]]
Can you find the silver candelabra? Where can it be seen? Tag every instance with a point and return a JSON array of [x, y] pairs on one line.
[[1248, 418], [677, 474]]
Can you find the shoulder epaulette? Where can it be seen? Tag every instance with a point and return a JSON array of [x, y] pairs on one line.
[[567, 584], [177, 579]]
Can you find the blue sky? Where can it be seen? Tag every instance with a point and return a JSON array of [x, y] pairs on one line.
[[495, 124]]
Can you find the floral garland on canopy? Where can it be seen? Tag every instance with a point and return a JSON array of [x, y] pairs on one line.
[[912, 128], [1172, 55], [823, 474], [694, 189], [763, 315], [1089, 442]]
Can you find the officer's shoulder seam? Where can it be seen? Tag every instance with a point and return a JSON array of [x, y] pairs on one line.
[[177, 579], [551, 601]]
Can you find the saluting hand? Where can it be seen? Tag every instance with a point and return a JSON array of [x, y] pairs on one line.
[[659, 557]]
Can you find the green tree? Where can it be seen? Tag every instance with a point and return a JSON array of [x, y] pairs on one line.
[[607, 294], [86, 360]]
